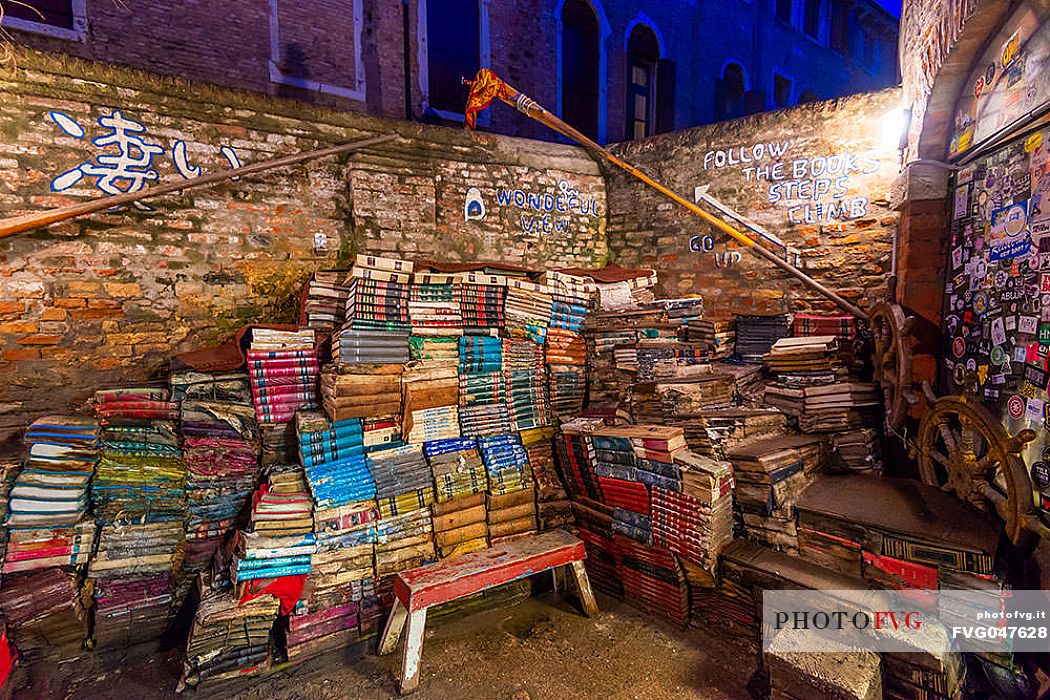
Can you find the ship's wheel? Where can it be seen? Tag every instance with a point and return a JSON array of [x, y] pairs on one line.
[[891, 356], [963, 448]]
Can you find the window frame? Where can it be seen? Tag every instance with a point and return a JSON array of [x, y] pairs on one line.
[[423, 62], [773, 90], [79, 32], [604, 30], [652, 68], [721, 79], [822, 21], [279, 77]]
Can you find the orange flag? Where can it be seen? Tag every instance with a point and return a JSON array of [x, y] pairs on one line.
[[485, 87]]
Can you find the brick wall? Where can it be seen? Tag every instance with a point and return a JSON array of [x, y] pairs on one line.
[[852, 256], [109, 298]]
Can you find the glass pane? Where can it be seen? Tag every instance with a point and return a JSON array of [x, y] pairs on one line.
[[641, 109], [639, 75], [639, 129]]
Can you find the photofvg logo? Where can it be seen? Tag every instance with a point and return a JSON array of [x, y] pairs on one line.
[[935, 622]]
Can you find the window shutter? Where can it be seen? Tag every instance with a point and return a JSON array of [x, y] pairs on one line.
[[664, 96]]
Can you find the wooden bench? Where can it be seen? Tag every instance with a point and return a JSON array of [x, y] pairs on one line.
[[420, 588]]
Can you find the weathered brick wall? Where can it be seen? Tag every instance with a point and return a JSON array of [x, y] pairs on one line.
[[851, 255], [109, 298]]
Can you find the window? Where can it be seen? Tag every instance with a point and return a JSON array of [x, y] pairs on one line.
[[839, 38], [64, 19], [781, 91], [643, 55], [579, 67], [783, 10], [811, 17], [453, 52], [56, 13], [729, 95], [807, 96]]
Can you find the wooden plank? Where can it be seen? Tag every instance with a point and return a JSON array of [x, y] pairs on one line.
[[413, 652], [394, 624], [583, 587], [439, 583]]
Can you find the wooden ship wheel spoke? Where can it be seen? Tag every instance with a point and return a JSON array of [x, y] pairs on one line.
[[961, 447], [891, 350]]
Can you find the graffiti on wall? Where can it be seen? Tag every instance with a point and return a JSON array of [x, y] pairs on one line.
[[125, 163], [538, 213]]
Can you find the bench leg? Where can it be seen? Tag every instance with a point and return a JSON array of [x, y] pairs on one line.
[[392, 630], [413, 651], [583, 586]]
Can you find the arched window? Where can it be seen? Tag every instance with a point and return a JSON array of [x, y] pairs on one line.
[[579, 67], [643, 54], [807, 96], [729, 94]]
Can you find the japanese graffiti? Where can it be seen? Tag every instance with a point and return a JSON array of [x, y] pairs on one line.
[[126, 163]]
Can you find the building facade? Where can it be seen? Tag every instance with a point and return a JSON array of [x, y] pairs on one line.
[[616, 69]]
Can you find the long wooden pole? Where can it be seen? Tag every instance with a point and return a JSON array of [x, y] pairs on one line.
[[21, 224], [532, 109]]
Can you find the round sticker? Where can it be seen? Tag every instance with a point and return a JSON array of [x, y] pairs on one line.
[[1000, 278], [958, 348], [1041, 475], [959, 374], [1015, 406], [980, 302], [997, 355]]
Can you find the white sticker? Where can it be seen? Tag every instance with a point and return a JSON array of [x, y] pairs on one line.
[[962, 201], [1028, 324], [1033, 410], [999, 333], [1020, 354], [1011, 322], [957, 258]]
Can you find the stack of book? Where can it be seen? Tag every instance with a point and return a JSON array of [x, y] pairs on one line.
[[569, 314], [280, 537], [843, 327], [457, 468], [310, 633], [346, 537], [616, 469], [460, 525], [682, 311], [284, 370], [755, 335], [529, 310], [229, 638], [838, 675], [379, 296], [404, 541], [728, 428], [525, 377], [553, 507], [578, 457], [402, 477], [805, 361], [48, 498], [479, 420], [380, 434], [326, 295], [506, 462], [333, 459], [653, 580], [839, 407], [770, 474], [481, 306], [435, 347], [716, 336], [372, 346], [510, 515], [140, 474], [130, 610], [692, 508], [148, 548], [361, 391], [857, 450], [44, 614], [432, 310], [480, 370], [602, 562], [693, 390], [221, 449], [431, 398], [567, 360]]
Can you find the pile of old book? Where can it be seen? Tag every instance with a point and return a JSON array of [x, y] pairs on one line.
[[221, 450], [140, 474], [333, 459], [856, 450], [44, 613], [728, 428], [525, 378], [432, 309], [436, 347], [842, 327], [404, 540], [529, 310], [692, 390], [681, 311], [284, 369], [131, 609], [431, 400], [716, 336], [326, 295], [402, 478], [361, 391], [480, 370], [379, 297], [616, 468], [460, 524], [280, 537], [506, 462], [457, 468], [229, 639], [553, 507], [653, 580], [755, 335], [481, 300], [770, 474], [837, 407]]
